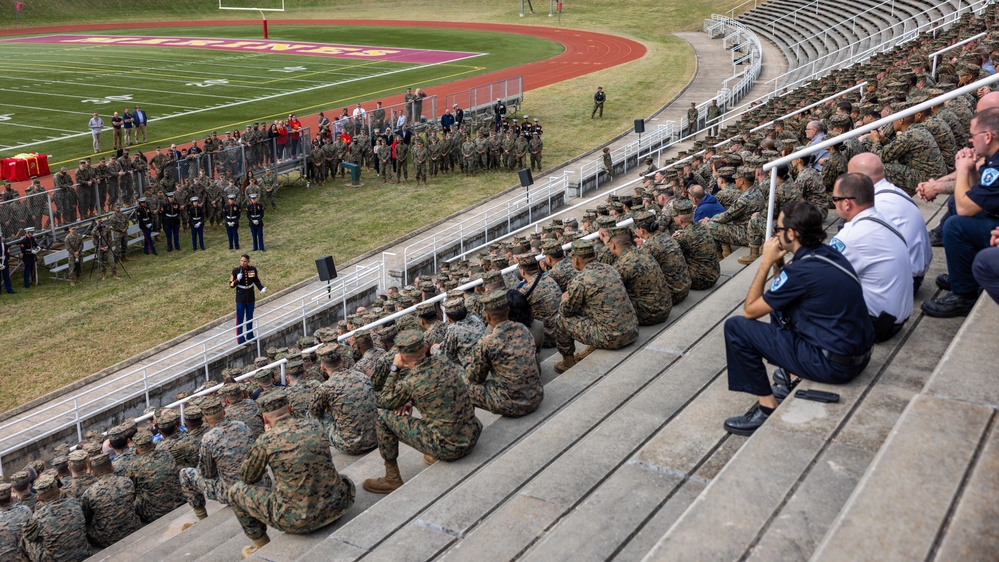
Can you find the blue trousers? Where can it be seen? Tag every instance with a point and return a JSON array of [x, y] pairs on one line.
[[233, 234], [198, 237], [749, 342], [950, 212], [172, 237], [6, 280], [963, 237], [244, 313], [147, 242], [257, 232], [985, 269], [29, 270]]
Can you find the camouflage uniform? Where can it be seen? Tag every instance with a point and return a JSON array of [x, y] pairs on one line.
[[121, 461], [646, 286], [461, 338], [182, 449], [730, 227], [370, 359], [109, 506], [544, 301], [669, 256], [563, 273], [728, 196], [74, 244], [834, 167], [435, 333], [300, 396], [910, 158], [308, 492], [248, 412], [223, 449], [350, 399], [13, 517], [944, 138], [700, 254], [154, 475], [78, 485], [57, 532], [596, 312], [515, 388], [447, 428], [809, 185], [786, 192]]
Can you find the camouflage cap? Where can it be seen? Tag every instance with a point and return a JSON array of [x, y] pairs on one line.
[[494, 301], [45, 482], [644, 218], [618, 231], [491, 276], [726, 171], [117, 432], [263, 375], [410, 341], [261, 362], [426, 309], [329, 352], [306, 341], [5, 488], [294, 367], [327, 334], [683, 206], [232, 390], [167, 418], [551, 247], [273, 401], [143, 439], [60, 462], [583, 249], [362, 336], [100, 459], [210, 406], [454, 304], [500, 262], [606, 222], [78, 458], [526, 261], [20, 479], [193, 413]]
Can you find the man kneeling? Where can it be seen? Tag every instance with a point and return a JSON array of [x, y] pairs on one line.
[[447, 428], [308, 492], [819, 328], [503, 376]]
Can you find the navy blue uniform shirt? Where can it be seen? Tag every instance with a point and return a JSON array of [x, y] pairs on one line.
[[985, 193]]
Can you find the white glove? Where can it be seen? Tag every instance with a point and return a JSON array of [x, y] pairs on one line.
[[3, 266], [35, 251], [239, 277], [197, 225], [263, 290]]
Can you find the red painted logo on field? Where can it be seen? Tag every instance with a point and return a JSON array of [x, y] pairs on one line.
[[415, 56]]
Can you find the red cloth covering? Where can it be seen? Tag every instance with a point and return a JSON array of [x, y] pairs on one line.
[[24, 166]]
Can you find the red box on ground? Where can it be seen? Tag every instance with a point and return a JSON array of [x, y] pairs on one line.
[[24, 166]]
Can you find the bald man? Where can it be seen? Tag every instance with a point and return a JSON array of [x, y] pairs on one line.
[[928, 190], [900, 209]]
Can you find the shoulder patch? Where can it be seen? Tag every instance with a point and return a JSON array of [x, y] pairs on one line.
[[779, 281], [837, 244], [989, 176]]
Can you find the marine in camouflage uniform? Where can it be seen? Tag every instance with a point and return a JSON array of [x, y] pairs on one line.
[[56, 532], [82, 479], [809, 184], [13, 517], [447, 428], [503, 376], [433, 329], [462, 335], [223, 449], [642, 277], [543, 295], [595, 310], [667, 253], [182, 450], [731, 226], [785, 192], [420, 158], [243, 409], [699, 251], [300, 392], [942, 134], [62, 183], [308, 492], [561, 271], [348, 396], [154, 475], [108, 505], [911, 157]]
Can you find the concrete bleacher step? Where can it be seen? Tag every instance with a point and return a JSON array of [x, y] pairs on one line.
[[445, 514], [930, 492], [159, 531]]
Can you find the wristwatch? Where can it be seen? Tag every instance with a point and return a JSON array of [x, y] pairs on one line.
[[394, 369]]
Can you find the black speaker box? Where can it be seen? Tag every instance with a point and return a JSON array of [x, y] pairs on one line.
[[327, 270]]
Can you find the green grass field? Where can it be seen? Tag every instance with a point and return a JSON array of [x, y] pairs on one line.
[[51, 90], [54, 334]]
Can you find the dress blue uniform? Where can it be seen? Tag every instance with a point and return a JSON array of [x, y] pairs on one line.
[[819, 330], [243, 280], [966, 236]]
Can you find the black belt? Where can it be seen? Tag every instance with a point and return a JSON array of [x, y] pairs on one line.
[[847, 360], [993, 216]]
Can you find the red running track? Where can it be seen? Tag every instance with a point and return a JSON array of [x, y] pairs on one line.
[[585, 52]]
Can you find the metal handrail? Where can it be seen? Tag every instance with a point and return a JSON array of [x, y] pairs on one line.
[[852, 18], [731, 13], [795, 13], [773, 165], [936, 55]]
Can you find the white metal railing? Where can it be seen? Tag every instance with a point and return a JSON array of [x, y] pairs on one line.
[[772, 166], [92, 400], [936, 55], [852, 20], [731, 13], [481, 223], [661, 135], [812, 6], [853, 52]]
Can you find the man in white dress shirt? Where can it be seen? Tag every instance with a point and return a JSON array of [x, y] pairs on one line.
[[899, 208], [878, 253]]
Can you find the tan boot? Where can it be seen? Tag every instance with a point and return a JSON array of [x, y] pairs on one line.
[[257, 545], [567, 362], [754, 252], [386, 484], [726, 250], [580, 356], [429, 459], [200, 514]]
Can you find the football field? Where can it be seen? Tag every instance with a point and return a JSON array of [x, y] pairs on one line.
[[191, 82]]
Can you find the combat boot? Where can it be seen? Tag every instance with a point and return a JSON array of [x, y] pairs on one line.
[[200, 514], [726, 250], [386, 484], [429, 459], [567, 362], [257, 545], [754, 252], [589, 349]]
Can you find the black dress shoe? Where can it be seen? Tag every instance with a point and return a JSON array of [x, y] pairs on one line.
[[747, 423], [936, 239], [943, 281], [951, 306]]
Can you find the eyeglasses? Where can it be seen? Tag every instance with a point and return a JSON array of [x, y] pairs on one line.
[[973, 135], [781, 228], [838, 199]]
